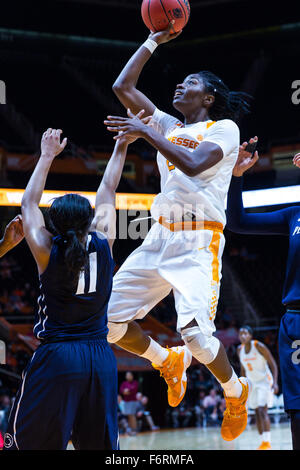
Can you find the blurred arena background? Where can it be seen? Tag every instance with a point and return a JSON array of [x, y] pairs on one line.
[[58, 60]]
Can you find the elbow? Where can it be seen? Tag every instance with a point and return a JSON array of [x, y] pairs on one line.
[[25, 204], [191, 170], [116, 87], [195, 168], [24, 209], [120, 87]]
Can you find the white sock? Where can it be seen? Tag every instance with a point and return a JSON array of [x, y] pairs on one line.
[[233, 388], [155, 353], [267, 436], [261, 437]]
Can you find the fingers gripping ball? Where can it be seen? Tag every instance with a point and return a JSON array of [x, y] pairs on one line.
[[157, 14]]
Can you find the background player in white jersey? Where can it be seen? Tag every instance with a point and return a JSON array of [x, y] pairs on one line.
[[183, 250], [258, 364]]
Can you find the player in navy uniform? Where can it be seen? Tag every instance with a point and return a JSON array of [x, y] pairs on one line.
[[280, 222], [69, 388]]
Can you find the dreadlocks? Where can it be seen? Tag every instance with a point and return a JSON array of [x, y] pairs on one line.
[[228, 104]]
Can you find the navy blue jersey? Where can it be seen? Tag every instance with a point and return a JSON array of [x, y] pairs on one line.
[[280, 222], [69, 309]]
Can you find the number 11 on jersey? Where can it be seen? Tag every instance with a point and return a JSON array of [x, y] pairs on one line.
[[93, 276]]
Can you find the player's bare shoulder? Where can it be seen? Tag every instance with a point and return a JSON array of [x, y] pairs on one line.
[[261, 347]]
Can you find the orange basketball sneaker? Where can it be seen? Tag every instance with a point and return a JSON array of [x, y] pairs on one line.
[[173, 371], [264, 446], [235, 416]]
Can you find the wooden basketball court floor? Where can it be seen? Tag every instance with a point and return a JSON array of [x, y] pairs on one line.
[[205, 439]]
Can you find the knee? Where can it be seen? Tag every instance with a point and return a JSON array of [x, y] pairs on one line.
[[203, 347], [116, 331]]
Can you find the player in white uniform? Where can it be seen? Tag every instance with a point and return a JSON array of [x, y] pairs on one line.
[[257, 363], [183, 250]]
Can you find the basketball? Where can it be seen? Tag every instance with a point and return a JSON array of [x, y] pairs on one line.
[[157, 14]]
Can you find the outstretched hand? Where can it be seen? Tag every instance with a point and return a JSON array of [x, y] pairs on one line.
[[245, 159], [50, 144], [166, 35], [130, 128], [14, 234]]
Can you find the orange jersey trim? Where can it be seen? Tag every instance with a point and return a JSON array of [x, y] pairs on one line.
[[214, 249], [210, 124], [191, 225]]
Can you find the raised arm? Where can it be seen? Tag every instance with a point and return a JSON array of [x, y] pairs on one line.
[[125, 85], [36, 234], [13, 235], [238, 220], [105, 207]]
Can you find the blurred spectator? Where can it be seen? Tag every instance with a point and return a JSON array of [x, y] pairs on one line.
[[182, 415], [200, 377], [210, 405], [5, 405], [122, 420], [128, 390], [143, 415], [199, 409], [221, 408]]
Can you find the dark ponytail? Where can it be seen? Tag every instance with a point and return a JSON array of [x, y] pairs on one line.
[[75, 253], [228, 104], [70, 217]]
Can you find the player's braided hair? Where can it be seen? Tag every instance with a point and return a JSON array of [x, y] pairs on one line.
[[228, 104], [70, 216]]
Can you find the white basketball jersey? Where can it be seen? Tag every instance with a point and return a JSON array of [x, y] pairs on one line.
[[255, 365], [203, 195]]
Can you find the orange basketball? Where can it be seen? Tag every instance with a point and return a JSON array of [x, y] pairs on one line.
[[157, 14]]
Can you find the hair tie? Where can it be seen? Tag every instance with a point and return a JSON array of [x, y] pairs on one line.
[[69, 234]]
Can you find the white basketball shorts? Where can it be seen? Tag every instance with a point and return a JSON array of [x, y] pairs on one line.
[[186, 261], [261, 394]]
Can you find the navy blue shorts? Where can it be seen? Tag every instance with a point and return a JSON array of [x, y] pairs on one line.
[[69, 391], [289, 356]]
